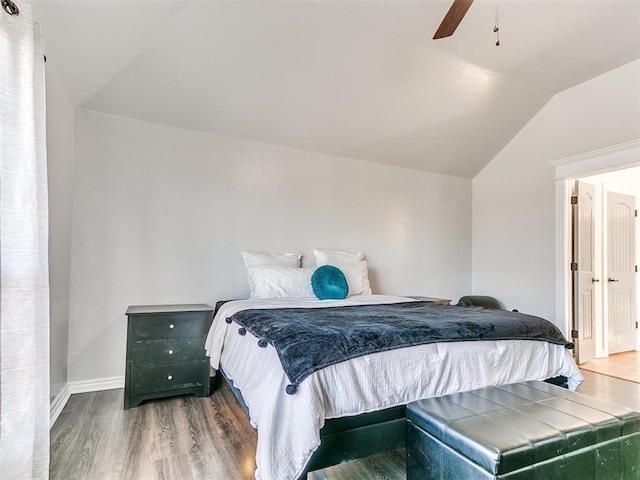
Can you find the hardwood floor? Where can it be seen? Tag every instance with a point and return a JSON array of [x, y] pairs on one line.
[[179, 438], [625, 365], [186, 438], [611, 389]]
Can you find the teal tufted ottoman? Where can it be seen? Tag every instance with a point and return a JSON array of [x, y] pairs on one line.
[[530, 431]]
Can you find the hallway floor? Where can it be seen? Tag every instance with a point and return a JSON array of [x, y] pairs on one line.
[[625, 365]]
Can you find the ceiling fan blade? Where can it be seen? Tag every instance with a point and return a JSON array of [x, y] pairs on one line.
[[453, 18]]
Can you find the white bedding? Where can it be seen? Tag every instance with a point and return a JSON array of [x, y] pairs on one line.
[[288, 425]]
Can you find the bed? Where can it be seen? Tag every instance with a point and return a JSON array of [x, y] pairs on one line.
[[355, 408]]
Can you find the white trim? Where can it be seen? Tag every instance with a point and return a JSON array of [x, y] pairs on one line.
[[58, 404], [71, 388], [615, 157], [97, 384], [603, 160]]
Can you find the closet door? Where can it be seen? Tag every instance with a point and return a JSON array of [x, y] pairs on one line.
[[584, 278], [621, 275]]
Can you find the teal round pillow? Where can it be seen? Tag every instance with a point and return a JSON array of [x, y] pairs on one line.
[[329, 283]]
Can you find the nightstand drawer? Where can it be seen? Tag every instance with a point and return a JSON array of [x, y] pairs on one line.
[[168, 377], [150, 353], [169, 325]]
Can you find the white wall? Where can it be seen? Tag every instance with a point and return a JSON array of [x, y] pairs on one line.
[[161, 214], [60, 147], [514, 195]]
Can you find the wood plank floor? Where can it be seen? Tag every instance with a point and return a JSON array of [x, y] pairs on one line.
[[186, 438], [625, 365]]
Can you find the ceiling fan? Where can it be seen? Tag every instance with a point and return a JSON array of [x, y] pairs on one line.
[[453, 18]]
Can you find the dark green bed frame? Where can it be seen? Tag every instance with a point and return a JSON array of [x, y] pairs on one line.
[[349, 438]]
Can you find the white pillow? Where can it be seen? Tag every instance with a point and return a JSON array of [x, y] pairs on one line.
[[352, 265], [275, 281], [357, 275], [258, 259], [335, 257]]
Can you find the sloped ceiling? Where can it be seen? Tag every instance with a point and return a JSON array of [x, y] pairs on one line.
[[353, 78]]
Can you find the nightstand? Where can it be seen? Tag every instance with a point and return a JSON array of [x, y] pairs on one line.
[[165, 352], [436, 300]]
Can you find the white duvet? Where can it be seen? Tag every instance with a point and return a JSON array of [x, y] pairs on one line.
[[288, 425]]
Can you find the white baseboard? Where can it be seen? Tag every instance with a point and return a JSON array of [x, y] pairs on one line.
[[58, 404], [95, 385], [70, 388]]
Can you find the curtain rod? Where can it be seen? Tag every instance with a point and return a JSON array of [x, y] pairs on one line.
[[10, 7]]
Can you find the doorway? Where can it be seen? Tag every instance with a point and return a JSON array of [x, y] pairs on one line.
[[604, 265], [611, 159]]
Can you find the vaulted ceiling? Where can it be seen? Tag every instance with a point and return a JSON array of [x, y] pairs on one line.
[[353, 78]]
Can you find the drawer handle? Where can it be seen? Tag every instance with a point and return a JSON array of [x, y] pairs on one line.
[[170, 352], [170, 377], [171, 325]]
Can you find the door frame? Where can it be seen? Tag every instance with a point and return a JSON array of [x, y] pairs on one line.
[[567, 170]]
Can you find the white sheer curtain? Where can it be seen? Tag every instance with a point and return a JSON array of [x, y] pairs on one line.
[[24, 282]]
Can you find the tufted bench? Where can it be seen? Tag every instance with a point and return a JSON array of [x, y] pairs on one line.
[[530, 430]]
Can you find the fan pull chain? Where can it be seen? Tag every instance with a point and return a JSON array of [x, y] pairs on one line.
[[496, 27]]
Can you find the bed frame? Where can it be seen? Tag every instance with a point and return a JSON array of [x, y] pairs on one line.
[[349, 438]]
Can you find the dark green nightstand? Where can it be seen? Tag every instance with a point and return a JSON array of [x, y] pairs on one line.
[[165, 352]]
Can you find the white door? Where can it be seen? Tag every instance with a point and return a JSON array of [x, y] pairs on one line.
[[621, 276], [585, 281]]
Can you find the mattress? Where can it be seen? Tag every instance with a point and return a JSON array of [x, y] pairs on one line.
[[288, 425]]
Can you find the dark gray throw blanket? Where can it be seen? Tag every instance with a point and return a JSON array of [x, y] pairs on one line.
[[309, 339]]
